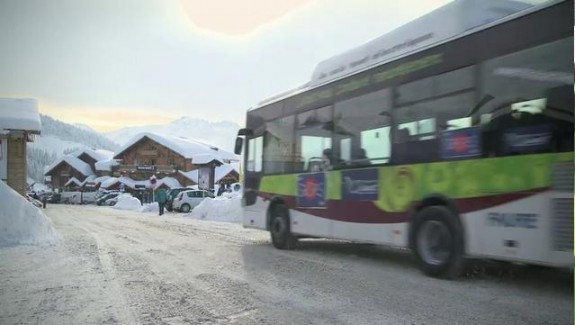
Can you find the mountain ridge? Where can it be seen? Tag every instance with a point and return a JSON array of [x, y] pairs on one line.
[[220, 134]]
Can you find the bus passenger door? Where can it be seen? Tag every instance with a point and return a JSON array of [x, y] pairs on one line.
[[255, 208]]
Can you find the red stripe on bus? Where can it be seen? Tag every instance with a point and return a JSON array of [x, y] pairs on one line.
[[368, 212]]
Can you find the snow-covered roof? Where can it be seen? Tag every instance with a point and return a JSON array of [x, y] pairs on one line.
[[187, 148], [73, 180], [169, 182], [101, 179], [105, 165], [109, 182], [97, 154], [76, 181], [219, 173], [89, 179], [191, 175], [205, 158], [19, 114], [132, 183], [222, 171], [76, 163]]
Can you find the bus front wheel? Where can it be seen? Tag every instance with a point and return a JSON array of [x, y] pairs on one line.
[[281, 235], [438, 242]]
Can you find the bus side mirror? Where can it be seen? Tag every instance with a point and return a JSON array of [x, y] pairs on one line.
[[245, 131], [239, 145]]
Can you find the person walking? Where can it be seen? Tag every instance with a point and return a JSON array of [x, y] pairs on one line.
[[161, 198], [220, 189]]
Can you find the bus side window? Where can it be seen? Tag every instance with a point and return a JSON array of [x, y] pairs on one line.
[[532, 106], [313, 136], [425, 108], [362, 130]]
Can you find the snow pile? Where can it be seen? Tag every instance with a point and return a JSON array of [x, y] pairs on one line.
[[152, 207], [19, 114], [230, 195], [21, 223], [128, 202], [219, 209]]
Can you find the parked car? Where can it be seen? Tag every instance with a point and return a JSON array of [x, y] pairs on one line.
[[102, 200], [111, 201], [34, 201], [188, 200], [172, 194], [52, 197], [102, 192]]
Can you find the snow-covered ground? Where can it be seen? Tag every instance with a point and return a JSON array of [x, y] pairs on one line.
[[128, 267], [219, 209], [128, 202], [226, 208], [21, 223]]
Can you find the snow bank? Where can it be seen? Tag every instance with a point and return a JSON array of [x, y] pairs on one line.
[[128, 202], [21, 223], [19, 114], [219, 209], [152, 207]]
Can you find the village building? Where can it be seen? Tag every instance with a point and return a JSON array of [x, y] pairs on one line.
[[19, 124], [223, 174], [84, 170], [173, 161], [69, 172], [165, 157]]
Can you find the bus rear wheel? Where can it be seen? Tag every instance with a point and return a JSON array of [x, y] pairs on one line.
[[438, 242], [280, 232]]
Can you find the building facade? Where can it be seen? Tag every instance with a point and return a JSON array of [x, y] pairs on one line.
[[19, 124]]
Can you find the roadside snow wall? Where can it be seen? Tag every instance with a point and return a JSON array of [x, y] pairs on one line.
[[128, 202], [21, 223], [219, 209]]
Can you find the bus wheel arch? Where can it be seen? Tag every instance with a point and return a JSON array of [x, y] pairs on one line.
[[437, 217], [278, 223]]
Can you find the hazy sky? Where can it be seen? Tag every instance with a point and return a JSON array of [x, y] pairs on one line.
[[116, 63]]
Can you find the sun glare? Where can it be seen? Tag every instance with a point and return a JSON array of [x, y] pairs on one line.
[[236, 18]]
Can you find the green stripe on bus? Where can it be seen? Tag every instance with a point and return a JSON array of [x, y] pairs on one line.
[[400, 185]]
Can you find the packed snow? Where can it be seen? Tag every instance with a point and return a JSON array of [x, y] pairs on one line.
[[225, 208], [19, 114], [21, 223], [128, 202], [219, 209], [151, 207]]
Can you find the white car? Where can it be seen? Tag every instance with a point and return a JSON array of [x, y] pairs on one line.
[[188, 200]]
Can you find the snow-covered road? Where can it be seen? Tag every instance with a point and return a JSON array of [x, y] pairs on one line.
[[127, 267]]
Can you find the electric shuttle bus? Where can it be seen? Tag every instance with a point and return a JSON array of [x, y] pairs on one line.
[[451, 135]]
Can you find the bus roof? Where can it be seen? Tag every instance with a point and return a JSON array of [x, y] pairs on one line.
[[456, 19]]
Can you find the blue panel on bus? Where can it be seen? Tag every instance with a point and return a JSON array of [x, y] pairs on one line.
[[311, 190], [461, 143], [527, 139], [360, 185]]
